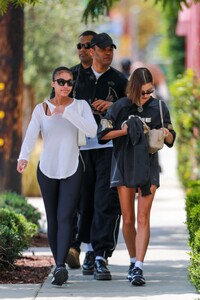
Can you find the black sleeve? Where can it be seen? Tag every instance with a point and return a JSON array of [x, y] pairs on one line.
[[108, 123], [168, 123]]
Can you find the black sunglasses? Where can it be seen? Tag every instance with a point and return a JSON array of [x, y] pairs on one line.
[[147, 92], [80, 46], [61, 82]]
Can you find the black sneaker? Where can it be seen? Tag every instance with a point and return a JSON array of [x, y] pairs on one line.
[[137, 277], [88, 263], [60, 276], [101, 271], [130, 270]]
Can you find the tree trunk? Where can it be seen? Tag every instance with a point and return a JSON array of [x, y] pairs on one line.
[[11, 75]]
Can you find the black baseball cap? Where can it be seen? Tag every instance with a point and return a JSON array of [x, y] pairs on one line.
[[102, 40]]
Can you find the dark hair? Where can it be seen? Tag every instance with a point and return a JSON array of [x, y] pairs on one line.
[[138, 78], [55, 72], [60, 70], [88, 32]]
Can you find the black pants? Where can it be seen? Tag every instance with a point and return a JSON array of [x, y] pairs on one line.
[[60, 198], [76, 244], [99, 205]]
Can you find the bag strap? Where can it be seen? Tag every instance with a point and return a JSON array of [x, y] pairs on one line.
[[161, 113], [46, 109]]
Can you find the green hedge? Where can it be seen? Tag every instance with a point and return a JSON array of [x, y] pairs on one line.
[[193, 224], [194, 268], [15, 236], [19, 222], [193, 209], [185, 93], [20, 205]]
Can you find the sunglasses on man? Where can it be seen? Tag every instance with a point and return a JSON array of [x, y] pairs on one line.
[[80, 46], [62, 82], [147, 92]]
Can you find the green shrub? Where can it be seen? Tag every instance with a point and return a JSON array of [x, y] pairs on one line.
[[193, 224], [192, 194], [20, 205], [15, 235], [194, 268], [193, 209], [185, 93]]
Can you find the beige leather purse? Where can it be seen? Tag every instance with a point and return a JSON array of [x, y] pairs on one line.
[[156, 136]]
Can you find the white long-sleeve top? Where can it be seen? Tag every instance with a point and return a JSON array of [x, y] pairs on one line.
[[60, 156]]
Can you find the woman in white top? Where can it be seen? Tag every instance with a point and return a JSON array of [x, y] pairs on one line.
[[60, 168]]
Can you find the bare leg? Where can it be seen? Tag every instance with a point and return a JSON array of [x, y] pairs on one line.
[[143, 223], [127, 203]]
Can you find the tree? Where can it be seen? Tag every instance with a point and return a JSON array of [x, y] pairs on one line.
[[174, 45], [44, 48], [95, 8], [11, 75]]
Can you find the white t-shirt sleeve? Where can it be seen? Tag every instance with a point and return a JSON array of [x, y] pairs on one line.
[[85, 121], [32, 133]]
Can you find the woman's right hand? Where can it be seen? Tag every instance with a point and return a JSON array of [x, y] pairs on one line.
[[58, 110], [21, 165]]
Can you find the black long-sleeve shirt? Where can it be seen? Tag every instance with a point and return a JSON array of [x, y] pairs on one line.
[[121, 163]]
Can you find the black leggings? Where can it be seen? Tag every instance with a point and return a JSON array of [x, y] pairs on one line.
[[60, 198]]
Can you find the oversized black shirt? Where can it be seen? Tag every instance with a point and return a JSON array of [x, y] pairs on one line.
[[121, 162]]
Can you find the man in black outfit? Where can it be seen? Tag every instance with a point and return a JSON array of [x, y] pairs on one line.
[[100, 85], [83, 47]]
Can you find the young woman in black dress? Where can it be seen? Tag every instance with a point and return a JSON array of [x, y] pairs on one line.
[[134, 170]]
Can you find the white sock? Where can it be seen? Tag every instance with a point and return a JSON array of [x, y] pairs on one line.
[[89, 247], [139, 264], [100, 257], [133, 260]]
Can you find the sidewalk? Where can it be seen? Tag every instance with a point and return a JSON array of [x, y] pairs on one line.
[[166, 262]]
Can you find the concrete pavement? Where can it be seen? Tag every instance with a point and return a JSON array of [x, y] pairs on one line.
[[166, 262]]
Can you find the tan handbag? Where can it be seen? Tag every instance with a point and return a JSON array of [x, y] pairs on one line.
[[81, 135], [156, 136]]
